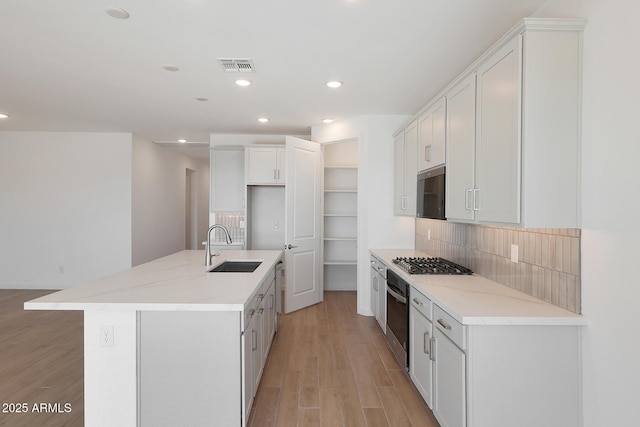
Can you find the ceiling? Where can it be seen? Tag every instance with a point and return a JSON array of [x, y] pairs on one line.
[[70, 66]]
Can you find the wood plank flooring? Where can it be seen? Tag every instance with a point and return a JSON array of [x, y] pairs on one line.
[[41, 362], [328, 366]]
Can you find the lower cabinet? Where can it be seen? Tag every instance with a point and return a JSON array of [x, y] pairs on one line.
[[494, 375], [420, 337], [449, 369], [256, 341]]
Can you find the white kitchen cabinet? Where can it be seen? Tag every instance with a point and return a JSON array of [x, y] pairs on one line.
[[431, 136], [265, 165], [420, 334], [514, 158], [405, 171], [497, 184], [258, 334], [227, 180], [449, 371], [460, 178], [379, 293]]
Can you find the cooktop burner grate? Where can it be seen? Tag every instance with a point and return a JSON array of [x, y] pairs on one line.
[[421, 265]]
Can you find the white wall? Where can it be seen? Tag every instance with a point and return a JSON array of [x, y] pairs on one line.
[[611, 230], [159, 193], [377, 226], [65, 207]]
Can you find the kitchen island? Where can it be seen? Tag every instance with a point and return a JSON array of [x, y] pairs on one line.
[[170, 343]]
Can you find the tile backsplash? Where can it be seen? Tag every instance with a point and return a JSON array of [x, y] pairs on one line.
[[548, 265]]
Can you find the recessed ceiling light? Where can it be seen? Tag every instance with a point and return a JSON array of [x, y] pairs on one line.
[[182, 140], [202, 99], [243, 82], [327, 121], [118, 13], [263, 120], [334, 84], [171, 68], [3, 116]]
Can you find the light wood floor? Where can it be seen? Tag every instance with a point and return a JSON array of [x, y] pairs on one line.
[[328, 366], [41, 361]]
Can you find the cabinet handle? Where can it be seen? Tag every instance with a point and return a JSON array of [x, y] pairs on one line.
[[444, 324], [254, 340], [278, 174], [417, 301], [272, 302], [427, 344], [275, 174], [432, 349], [260, 297], [373, 264], [466, 199], [260, 312], [427, 153], [476, 193], [251, 312], [403, 202]]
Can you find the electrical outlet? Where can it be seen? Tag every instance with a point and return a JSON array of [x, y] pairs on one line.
[[514, 253], [241, 224], [106, 336]]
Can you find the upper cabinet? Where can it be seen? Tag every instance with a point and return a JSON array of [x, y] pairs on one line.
[[512, 139], [431, 136], [265, 165], [227, 180], [405, 171]]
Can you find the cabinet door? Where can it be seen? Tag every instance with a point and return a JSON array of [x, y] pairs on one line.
[[420, 363], [399, 176], [461, 112], [498, 136], [382, 304], [431, 143], [411, 169], [248, 377], [374, 290], [227, 180], [281, 166], [268, 320], [449, 382], [262, 165]]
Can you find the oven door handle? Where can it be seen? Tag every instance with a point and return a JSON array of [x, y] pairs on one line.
[[397, 296]]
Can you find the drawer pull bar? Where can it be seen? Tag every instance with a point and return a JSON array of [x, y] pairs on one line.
[[432, 344], [444, 324], [427, 344], [417, 301]]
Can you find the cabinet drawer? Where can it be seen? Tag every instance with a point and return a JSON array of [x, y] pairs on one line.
[[421, 303], [449, 326]]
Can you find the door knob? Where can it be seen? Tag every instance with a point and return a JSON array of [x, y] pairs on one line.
[[289, 246]]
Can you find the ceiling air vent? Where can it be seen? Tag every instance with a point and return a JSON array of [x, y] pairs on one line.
[[237, 65]]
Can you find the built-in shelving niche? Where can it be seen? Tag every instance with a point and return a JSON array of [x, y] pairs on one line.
[[340, 239]]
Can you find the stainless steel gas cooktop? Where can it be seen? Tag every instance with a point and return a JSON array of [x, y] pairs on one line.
[[421, 265]]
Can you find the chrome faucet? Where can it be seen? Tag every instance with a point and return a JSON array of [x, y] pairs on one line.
[[208, 255]]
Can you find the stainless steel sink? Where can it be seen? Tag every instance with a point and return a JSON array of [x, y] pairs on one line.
[[236, 267]]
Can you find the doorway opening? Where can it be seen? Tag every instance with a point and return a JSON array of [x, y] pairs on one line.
[[191, 210]]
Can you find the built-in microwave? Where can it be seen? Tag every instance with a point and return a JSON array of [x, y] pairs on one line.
[[430, 199]]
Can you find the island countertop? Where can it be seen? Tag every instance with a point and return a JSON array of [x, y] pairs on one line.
[[177, 282], [476, 300]]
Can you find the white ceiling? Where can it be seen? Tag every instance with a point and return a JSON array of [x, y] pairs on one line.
[[68, 66]]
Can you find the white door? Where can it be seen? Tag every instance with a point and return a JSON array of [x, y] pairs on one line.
[[302, 224]]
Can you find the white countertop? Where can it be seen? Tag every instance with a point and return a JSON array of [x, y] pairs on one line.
[[475, 300], [180, 281]]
